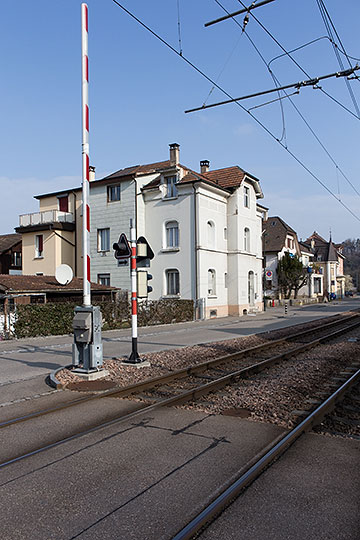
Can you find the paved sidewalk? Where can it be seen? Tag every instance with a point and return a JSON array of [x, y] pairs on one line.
[[311, 492]]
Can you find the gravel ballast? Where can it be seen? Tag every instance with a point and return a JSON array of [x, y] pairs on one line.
[[270, 396]]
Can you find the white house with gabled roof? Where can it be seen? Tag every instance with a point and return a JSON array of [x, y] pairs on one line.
[[203, 227]]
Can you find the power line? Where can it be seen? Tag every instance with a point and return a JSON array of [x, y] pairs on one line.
[[325, 15], [295, 62], [310, 82], [283, 135], [310, 43], [179, 27], [277, 84], [239, 104]]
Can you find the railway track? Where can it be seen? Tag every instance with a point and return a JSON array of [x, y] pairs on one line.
[[183, 385], [228, 495], [253, 355]]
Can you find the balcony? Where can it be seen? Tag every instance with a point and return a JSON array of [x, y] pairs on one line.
[[48, 217]]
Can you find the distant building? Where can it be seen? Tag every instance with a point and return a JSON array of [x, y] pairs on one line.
[[10, 254], [329, 259], [280, 238]]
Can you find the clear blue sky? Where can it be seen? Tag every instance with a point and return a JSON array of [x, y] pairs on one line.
[[139, 91]]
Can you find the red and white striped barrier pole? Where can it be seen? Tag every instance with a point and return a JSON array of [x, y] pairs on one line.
[[134, 356], [85, 154]]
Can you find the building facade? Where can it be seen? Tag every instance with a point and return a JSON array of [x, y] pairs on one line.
[[280, 238], [203, 227]]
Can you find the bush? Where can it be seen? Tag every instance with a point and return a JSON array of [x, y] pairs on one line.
[[56, 319]]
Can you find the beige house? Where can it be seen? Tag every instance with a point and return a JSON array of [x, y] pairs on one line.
[[53, 235]]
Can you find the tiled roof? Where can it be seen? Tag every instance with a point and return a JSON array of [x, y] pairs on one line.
[[227, 178], [327, 250], [275, 234], [305, 248], [7, 241], [43, 284], [138, 170]]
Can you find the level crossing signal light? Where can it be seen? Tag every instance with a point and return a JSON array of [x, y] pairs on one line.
[[143, 278], [121, 248], [144, 253]]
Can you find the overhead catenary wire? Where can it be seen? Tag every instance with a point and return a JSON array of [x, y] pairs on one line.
[[277, 84], [179, 26], [296, 63], [300, 84], [325, 16], [198, 70]]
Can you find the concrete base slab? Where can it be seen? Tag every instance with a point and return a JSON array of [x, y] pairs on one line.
[[143, 363], [92, 375]]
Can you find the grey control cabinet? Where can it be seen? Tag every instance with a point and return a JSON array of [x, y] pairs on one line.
[[87, 347]]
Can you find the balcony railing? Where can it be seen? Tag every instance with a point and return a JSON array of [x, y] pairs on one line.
[[49, 216]]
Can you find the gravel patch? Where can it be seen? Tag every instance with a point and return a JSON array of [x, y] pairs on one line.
[[163, 362], [273, 395]]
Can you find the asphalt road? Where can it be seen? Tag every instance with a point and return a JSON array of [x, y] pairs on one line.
[[25, 363]]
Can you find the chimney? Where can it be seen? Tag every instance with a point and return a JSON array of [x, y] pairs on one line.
[[91, 173], [174, 153], [204, 166]]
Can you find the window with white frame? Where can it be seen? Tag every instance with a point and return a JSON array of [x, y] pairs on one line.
[[39, 245], [171, 189], [211, 282], [172, 282], [211, 234], [103, 279], [103, 240], [246, 197], [246, 239], [16, 258], [113, 193], [172, 234]]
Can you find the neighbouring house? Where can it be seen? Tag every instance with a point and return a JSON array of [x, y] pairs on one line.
[[280, 238], [52, 236], [329, 259], [10, 254], [20, 289], [43, 289], [204, 228]]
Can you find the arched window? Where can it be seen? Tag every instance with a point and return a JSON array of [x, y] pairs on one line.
[[246, 239], [211, 233], [172, 281], [172, 234], [211, 282]]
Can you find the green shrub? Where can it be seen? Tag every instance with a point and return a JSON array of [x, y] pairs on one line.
[[57, 318]]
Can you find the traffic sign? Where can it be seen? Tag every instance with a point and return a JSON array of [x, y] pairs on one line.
[[268, 274], [122, 249]]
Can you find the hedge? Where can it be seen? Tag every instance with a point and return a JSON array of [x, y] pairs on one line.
[[56, 319]]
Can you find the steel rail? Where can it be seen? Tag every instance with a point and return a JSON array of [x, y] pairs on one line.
[[232, 491], [169, 377], [188, 395]]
